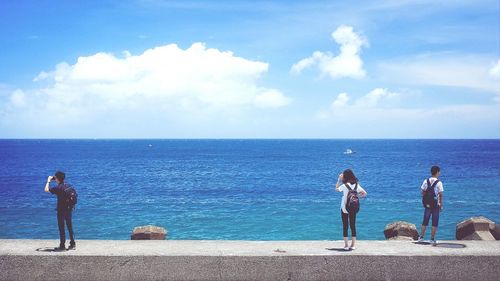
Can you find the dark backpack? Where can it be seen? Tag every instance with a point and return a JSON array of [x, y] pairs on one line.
[[70, 196], [352, 203], [429, 200]]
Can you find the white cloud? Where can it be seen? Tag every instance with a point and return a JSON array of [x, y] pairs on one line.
[[41, 76], [378, 113], [305, 63], [450, 70], [340, 100], [347, 63], [18, 98], [378, 97], [271, 98], [163, 85], [495, 71]]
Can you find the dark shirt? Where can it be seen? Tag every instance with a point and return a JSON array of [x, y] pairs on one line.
[[59, 191]]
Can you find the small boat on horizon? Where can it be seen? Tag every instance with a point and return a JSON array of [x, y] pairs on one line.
[[349, 151]]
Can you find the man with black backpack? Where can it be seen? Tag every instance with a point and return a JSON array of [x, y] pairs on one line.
[[66, 200], [432, 199]]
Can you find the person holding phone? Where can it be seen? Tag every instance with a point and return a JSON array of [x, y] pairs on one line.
[[348, 184], [64, 212]]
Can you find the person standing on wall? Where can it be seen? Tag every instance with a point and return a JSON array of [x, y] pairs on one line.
[[432, 199], [66, 200], [349, 206]]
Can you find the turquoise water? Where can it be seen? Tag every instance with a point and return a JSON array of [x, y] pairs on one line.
[[241, 189]]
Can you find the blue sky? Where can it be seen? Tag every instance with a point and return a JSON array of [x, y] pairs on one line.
[[250, 69]]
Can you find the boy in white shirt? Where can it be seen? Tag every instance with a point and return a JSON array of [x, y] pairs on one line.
[[433, 203]]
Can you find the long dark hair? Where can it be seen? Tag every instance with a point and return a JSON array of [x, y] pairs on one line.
[[349, 177]]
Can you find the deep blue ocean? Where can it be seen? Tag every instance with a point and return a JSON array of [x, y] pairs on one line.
[[241, 189]]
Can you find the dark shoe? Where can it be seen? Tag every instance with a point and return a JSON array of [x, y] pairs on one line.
[[60, 248], [72, 246]]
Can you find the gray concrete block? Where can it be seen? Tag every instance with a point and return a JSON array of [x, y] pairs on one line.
[[475, 228], [148, 232]]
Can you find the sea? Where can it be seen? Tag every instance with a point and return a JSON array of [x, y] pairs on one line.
[[232, 189]]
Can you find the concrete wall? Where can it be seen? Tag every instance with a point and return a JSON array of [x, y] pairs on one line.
[[249, 260], [249, 268]]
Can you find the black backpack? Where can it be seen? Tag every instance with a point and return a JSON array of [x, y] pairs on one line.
[[70, 196], [429, 200], [352, 203]]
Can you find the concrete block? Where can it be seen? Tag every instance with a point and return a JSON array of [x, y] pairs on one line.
[[400, 229], [475, 228], [149, 232], [495, 231]]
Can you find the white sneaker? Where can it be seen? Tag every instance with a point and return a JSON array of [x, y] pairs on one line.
[[420, 239], [433, 242], [346, 248], [352, 248]]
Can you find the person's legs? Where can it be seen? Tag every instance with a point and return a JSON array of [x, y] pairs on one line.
[[60, 224], [435, 222], [425, 222], [352, 224], [344, 226], [422, 232], [69, 224]]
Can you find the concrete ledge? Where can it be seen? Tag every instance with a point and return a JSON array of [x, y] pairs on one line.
[[248, 260]]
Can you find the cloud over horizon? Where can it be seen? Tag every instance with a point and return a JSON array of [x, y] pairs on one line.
[[450, 70], [381, 111], [163, 83], [347, 63]]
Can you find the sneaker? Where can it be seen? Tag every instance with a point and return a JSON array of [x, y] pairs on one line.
[[433, 242], [60, 248], [352, 248], [346, 248], [72, 246], [420, 239]]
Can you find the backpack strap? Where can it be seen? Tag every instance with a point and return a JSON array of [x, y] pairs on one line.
[[434, 184], [351, 189], [431, 186]]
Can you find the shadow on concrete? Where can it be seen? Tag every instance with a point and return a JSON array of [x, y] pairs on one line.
[[49, 249], [421, 243], [443, 245], [451, 245], [338, 249]]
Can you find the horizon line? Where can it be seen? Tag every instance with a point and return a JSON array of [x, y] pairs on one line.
[[125, 138]]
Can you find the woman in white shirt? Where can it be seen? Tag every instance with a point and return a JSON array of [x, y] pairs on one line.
[[347, 180]]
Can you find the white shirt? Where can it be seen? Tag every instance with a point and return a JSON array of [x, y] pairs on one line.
[[344, 189], [438, 188]]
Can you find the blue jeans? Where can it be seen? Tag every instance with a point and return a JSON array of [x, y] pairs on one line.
[[435, 217], [64, 215]]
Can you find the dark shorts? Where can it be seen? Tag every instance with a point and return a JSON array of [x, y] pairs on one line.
[[435, 216]]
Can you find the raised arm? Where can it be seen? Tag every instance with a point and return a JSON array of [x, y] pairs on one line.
[[339, 182], [362, 191], [48, 184]]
